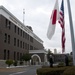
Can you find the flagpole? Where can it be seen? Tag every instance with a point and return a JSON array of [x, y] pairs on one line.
[[23, 15], [72, 31]]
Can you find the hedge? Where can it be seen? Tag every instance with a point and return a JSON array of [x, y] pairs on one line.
[[50, 71], [69, 71]]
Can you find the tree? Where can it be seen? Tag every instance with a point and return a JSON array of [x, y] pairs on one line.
[[15, 63], [26, 57], [9, 62], [49, 53]]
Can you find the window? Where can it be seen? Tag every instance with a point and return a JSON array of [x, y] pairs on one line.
[[8, 39], [6, 23], [8, 54], [23, 45], [35, 48], [17, 55], [14, 41], [18, 43], [5, 54], [23, 34], [27, 46], [20, 56], [28, 36], [15, 29], [9, 25], [31, 39], [18, 31], [31, 47], [14, 55], [5, 40]]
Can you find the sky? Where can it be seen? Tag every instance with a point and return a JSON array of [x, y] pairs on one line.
[[37, 15]]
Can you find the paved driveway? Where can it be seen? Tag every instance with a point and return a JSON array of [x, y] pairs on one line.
[[29, 70]]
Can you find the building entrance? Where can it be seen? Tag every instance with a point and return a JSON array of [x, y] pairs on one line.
[[36, 60]]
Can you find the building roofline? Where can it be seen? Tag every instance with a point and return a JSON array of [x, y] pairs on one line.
[[22, 25]]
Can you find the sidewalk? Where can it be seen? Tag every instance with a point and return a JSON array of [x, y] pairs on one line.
[[13, 69]]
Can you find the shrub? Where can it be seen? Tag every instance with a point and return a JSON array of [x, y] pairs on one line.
[[60, 64], [69, 71], [70, 63], [9, 62], [15, 63], [50, 71], [21, 62]]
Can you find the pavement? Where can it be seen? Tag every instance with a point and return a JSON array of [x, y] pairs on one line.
[[19, 70], [13, 69]]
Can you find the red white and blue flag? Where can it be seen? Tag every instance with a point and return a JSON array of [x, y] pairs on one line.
[[53, 19], [61, 21]]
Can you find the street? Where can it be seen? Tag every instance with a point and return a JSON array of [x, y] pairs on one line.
[[30, 70]]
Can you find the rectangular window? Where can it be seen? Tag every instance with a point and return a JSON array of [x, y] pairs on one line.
[[8, 39], [27, 46], [15, 29], [8, 53], [14, 55], [25, 35], [18, 43], [31, 47], [28, 36], [4, 54], [17, 55], [31, 39], [23, 45], [6, 23], [18, 31], [5, 40], [21, 32], [9, 25], [14, 41], [20, 56]]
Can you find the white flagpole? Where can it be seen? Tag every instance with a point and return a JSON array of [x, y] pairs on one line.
[[23, 15], [72, 31]]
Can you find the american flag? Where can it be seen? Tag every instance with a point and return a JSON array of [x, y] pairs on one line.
[[61, 21]]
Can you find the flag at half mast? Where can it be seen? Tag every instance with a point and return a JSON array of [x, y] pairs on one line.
[[53, 19], [61, 21]]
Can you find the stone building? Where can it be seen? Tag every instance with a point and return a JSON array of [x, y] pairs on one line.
[[17, 39]]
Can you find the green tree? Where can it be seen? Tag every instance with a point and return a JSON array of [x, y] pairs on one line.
[[26, 57], [15, 63], [9, 62], [49, 53]]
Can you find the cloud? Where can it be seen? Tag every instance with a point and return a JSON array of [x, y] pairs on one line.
[[37, 15]]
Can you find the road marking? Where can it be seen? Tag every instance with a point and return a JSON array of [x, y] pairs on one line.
[[17, 73]]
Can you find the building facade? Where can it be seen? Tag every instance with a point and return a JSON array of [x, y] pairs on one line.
[[59, 57], [16, 39], [38, 57]]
